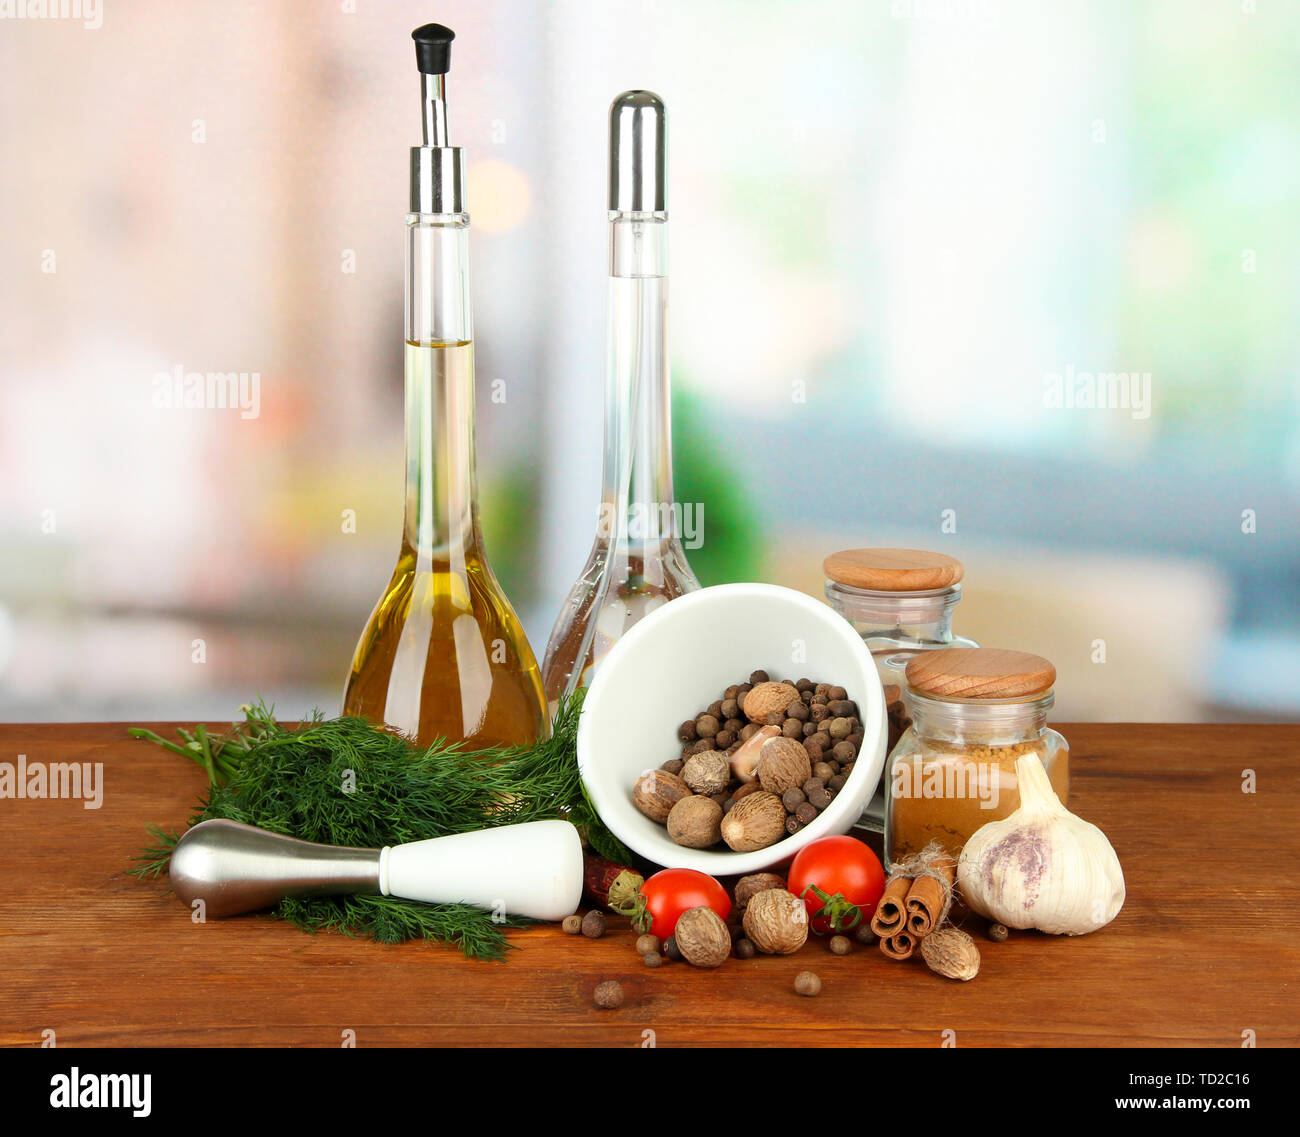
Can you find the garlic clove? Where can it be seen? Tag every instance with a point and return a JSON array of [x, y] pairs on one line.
[[1042, 867], [744, 761]]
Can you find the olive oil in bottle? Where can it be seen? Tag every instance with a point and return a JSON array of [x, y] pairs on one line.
[[443, 655]]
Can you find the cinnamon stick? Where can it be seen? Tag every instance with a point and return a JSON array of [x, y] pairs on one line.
[[927, 899], [901, 945], [891, 912]]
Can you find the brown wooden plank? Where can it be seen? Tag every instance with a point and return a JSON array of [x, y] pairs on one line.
[[102, 959]]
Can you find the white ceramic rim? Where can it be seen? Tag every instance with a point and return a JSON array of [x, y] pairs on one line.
[[839, 817]]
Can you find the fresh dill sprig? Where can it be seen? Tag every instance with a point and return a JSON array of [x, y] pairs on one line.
[[342, 782]]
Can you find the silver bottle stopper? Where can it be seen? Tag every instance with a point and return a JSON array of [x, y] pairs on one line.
[[638, 145], [437, 168]]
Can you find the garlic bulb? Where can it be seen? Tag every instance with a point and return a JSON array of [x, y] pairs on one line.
[[1042, 867], [744, 759]]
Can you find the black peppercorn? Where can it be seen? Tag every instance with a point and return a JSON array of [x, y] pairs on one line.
[[671, 951]]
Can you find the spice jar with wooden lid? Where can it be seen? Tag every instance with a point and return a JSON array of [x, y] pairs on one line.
[[974, 712], [900, 601]]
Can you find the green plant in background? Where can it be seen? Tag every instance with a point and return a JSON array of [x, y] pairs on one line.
[[733, 527], [509, 507]]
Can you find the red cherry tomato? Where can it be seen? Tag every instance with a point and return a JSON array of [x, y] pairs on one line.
[[840, 880], [671, 892]]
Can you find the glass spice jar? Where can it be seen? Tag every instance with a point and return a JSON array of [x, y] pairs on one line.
[[974, 712], [900, 601]]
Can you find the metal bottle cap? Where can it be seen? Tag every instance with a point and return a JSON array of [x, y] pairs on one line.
[[638, 143], [437, 169]]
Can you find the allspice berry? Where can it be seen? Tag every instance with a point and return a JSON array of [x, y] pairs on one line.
[[696, 822], [652, 959], [744, 949], [609, 995], [646, 944], [840, 945], [572, 924], [671, 949], [998, 933], [702, 937], [593, 924], [808, 983]]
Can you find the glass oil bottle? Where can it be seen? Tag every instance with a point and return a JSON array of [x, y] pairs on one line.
[[637, 562], [443, 656]]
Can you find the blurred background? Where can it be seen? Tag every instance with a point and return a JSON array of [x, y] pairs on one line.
[[899, 231]]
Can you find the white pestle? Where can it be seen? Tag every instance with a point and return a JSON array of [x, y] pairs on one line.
[[533, 869]]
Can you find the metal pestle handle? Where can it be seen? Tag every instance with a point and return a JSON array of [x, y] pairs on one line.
[[533, 869]]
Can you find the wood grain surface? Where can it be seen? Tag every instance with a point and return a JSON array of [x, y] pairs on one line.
[[1204, 949]]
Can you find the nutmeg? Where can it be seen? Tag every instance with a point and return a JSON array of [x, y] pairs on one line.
[[702, 937], [782, 765], [707, 773], [768, 698], [747, 887], [776, 921], [754, 822], [656, 792], [950, 952], [695, 822]]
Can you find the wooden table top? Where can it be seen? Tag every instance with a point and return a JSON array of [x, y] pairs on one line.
[[1204, 950]]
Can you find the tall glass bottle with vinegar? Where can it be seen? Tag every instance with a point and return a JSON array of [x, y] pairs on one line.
[[638, 561], [443, 654]]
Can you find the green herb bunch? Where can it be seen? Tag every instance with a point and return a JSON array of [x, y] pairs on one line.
[[342, 782]]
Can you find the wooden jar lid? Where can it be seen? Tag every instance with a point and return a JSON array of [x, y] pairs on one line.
[[893, 570], [980, 673]]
